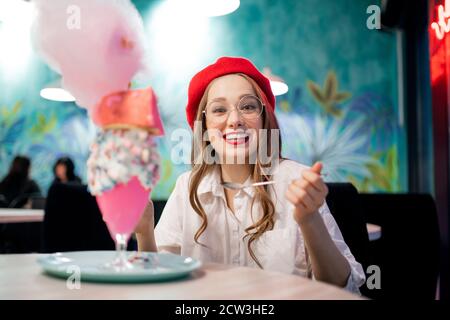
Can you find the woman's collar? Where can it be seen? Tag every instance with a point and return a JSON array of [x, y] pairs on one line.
[[211, 182]]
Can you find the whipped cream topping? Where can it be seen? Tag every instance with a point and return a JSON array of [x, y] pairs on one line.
[[119, 154]]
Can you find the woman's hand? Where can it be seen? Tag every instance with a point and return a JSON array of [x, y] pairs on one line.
[[307, 194], [147, 220], [145, 231]]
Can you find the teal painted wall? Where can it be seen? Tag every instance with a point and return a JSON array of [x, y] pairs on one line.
[[341, 107]]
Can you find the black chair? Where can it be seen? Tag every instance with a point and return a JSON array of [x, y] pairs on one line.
[[344, 203], [73, 221], [3, 201], [21, 200], [38, 202], [158, 206], [24, 237], [408, 251]]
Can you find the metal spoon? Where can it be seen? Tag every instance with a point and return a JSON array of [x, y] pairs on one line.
[[239, 186]]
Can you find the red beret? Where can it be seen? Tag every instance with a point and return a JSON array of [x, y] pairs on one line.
[[223, 66]]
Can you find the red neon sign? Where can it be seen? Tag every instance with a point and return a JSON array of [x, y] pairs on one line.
[[442, 26]]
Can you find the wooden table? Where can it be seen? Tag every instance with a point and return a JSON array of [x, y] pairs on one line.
[[22, 278], [21, 215], [374, 231]]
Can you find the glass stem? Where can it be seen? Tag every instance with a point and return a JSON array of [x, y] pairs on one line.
[[121, 249]]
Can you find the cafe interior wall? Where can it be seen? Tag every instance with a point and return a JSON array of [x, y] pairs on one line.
[[342, 106]]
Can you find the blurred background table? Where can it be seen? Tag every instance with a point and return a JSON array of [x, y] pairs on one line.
[[22, 278], [374, 231], [21, 215]]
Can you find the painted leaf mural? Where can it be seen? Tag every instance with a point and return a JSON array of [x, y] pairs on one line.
[[328, 97], [341, 107], [343, 138]]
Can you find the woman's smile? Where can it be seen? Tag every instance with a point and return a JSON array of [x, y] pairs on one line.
[[236, 137]]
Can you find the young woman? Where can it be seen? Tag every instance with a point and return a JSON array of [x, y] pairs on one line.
[[285, 226], [64, 171]]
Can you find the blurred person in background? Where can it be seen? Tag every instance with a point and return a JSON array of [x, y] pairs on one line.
[[17, 187], [64, 171]]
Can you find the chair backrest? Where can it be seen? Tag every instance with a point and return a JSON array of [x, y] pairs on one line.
[[73, 221], [3, 201], [344, 204], [38, 202], [158, 206], [22, 199], [408, 251]]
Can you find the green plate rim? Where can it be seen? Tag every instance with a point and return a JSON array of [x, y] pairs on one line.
[[111, 277]]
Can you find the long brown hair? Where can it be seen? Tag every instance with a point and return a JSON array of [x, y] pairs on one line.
[[200, 168]]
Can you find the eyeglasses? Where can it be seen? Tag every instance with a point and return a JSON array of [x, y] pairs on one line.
[[249, 107]]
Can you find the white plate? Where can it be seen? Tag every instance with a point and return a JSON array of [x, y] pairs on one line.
[[90, 266]]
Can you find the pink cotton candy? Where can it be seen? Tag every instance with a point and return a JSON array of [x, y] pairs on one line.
[[99, 57]]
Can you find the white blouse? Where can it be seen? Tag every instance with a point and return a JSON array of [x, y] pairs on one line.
[[281, 249]]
